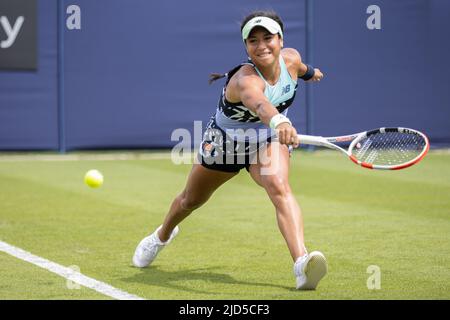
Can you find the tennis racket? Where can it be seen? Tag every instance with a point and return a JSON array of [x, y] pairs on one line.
[[383, 148]]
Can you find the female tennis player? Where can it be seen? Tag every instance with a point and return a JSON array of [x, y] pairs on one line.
[[250, 129]]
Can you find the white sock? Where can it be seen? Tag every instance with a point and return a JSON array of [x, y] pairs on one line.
[[303, 257]]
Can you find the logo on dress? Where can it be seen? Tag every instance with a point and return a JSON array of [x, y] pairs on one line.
[[286, 89]]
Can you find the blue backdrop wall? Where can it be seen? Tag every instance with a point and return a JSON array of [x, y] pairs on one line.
[[137, 70], [133, 74], [28, 99], [394, 76]]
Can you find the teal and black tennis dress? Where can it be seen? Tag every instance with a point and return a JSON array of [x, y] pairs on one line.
[[234, 133]]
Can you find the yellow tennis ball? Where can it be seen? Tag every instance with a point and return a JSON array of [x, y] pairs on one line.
[[93, 178]]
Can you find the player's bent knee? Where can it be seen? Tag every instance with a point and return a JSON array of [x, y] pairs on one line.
[[276, 187], [189, 203]]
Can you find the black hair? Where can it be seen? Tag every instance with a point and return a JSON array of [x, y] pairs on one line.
[[259, 13]]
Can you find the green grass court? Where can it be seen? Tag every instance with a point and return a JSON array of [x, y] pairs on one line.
[[230, 248]]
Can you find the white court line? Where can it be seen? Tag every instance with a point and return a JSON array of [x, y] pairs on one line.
[[68, 273]]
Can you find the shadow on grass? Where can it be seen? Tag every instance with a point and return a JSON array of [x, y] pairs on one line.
[[170, 279]]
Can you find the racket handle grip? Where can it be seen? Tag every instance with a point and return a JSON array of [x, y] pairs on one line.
[[311, 140]]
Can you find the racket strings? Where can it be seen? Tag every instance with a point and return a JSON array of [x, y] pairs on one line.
[[389, 148]]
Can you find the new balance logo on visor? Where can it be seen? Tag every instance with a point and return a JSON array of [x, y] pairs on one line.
[[286, 89], [258, 21]]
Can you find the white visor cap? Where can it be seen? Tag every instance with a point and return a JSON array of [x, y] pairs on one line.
[[271, 25]]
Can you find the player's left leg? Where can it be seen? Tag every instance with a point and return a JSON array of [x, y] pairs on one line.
[[271, 171], [273, 176]]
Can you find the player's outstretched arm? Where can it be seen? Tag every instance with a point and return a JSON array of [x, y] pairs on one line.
[[251, 91], [304, 71]]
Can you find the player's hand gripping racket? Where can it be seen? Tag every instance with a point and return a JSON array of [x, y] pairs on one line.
[[383, 148]]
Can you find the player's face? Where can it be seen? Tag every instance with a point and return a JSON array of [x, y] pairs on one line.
[[263, 47]]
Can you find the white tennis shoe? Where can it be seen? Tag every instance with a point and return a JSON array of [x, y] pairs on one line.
[[309, 270], [149, 247]]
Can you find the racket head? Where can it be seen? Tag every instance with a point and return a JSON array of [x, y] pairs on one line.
[[389, 148]]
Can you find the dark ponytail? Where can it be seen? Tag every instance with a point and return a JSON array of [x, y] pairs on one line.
[[216, 76]]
